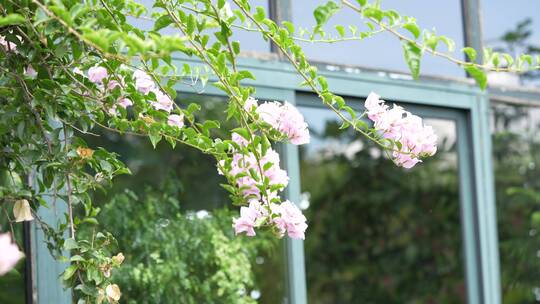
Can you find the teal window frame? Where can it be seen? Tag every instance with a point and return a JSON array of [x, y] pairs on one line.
[[277, 80]]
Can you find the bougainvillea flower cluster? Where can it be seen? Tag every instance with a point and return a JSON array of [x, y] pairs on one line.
[[260, 179], [284, 118], [245, 168], [413, 139], [143, 84]]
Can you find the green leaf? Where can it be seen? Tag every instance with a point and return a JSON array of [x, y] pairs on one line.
[[495, 59], [155, 137], [470, 52], [373, 12], [162, 22], [11, 19], [260, 14], [323, 12], [341, 30], [69, 272], [361, 2], [245, 74], [236, 47], [413, 56], [70, 244], [413, 28], [478, 75], [509, 60], [62, 14], [191, 24], [289, 26], [450, 44]]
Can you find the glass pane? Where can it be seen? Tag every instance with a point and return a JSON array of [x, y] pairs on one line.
[[520, 32], [13, 283], [174, 226], [378, 233], [444, 16], [516, 151]]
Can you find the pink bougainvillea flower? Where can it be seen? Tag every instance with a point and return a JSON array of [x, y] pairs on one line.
[[270, 113], [143, 82], [286, 119], [243, 166], [289, 219], [239, 139], [251, 104], [112, 110], [175, 120], [248, 217], [9, 254], [375, 107], [115, 83], [76, 70], [275, 174], [30, 72], [124, 102], [164, 102], [97, 74], [8, 45], [415, 139], [293, 125]]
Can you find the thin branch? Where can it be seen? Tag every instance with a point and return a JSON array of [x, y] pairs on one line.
[[310, 81], [429, 50], [69, 189]]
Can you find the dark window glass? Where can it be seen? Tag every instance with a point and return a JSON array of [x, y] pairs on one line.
[[378, 233], [516, 152], [383, 51], [13, 284], [173, 223]]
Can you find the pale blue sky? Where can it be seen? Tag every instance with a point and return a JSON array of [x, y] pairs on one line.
[[444, 15], [384, 51]]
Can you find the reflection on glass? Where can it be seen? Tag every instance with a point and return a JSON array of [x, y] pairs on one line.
[[378, 233], [175, 227], [516, 151], [443, 16], [12, 284]]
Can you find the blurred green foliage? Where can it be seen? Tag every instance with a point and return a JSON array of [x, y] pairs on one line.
[[174, 253], [178, 258], [516, 150], [378, 233]]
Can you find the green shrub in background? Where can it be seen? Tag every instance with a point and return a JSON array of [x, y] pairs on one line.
[[180, 257]]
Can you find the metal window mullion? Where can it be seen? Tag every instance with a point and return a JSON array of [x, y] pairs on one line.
[[488, 255], [279, 10], [294, 249], [472, 26]]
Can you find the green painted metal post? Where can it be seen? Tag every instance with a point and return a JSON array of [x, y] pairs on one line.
[[47, 285], [472, 25], [279, 10], [487, 218]]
